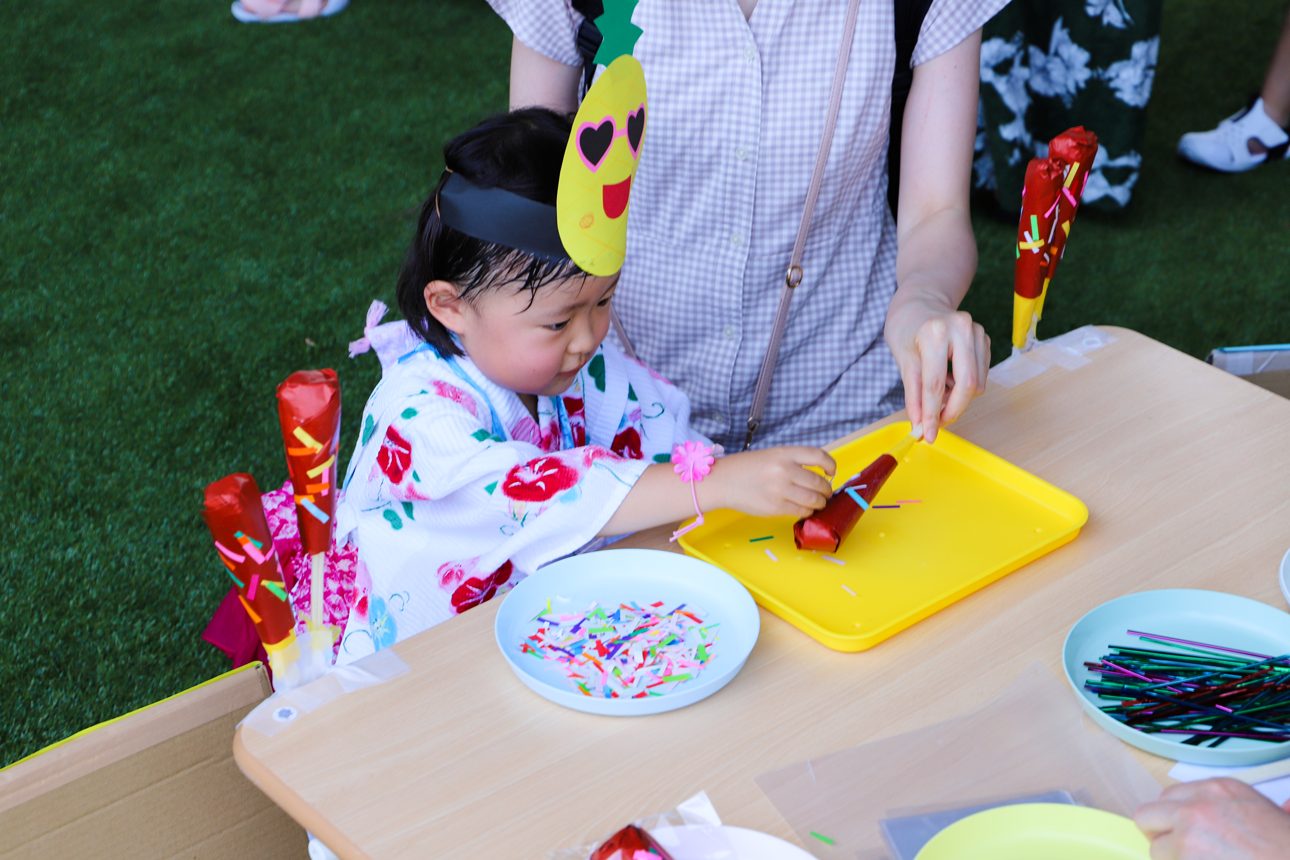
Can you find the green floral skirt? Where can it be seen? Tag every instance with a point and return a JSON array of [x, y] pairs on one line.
[[1048, 65]]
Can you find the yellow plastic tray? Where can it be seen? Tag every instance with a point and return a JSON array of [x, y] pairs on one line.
[[977, 519]]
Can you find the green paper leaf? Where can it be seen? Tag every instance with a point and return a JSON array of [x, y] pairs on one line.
[[490, 488], [663, 458], [618, 33], [369, 427], [408, 413], [481, 434], [631, 392], [407, 510], [393, 519]]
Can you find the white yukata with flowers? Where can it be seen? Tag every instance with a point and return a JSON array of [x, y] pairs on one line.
[[455, 492]]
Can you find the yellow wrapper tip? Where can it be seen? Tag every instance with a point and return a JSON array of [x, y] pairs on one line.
[[1039, 302], [1023, 311]]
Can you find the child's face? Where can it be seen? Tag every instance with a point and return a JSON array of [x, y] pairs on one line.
[[537, 348]]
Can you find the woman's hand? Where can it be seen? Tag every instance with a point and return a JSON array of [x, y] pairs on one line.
[[772, 481], [1214, 818], [943, 356]]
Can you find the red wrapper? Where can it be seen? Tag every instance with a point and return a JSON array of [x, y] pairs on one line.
[[1035, 229], [624, 844], [309, 412], [826, 529], [1074, 149], [236, 520]]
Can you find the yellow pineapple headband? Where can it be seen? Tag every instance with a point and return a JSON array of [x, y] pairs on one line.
[[600, 161]]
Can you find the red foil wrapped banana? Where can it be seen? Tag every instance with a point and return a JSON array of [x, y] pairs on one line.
[[627, 844], [827, 528]]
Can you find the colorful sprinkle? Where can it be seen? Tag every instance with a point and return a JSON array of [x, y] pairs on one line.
[[771, 554], [629, 652], [763, 537], [321, 467], [848, 590], [234, 556], [277, 589], [312, 445], [832, 559], [252, 548], [243, 538], [255, 619], [857, 498], [826, 840], [313, 509]]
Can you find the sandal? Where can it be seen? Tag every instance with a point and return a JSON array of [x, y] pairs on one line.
[[284, 11], [1241, 142]]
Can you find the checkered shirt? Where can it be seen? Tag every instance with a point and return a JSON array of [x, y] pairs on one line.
[[735, 115]]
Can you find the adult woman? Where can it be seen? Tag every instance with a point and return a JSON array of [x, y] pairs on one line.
[[738, 97]]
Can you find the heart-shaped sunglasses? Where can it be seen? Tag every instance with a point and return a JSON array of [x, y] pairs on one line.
[[595, 138]]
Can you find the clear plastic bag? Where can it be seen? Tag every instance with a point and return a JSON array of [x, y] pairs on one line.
[[1031, 742]]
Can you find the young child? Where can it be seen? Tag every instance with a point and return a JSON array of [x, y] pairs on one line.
[[505, 433]]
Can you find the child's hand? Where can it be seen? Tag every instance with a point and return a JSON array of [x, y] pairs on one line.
[[773, 481]]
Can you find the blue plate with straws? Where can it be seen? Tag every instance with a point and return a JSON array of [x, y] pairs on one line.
[[1213, 617]]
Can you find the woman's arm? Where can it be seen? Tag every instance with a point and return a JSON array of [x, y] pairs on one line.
[[936, 250], [537, 80]]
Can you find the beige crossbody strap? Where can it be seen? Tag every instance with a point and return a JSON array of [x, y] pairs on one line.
[[793, 276]]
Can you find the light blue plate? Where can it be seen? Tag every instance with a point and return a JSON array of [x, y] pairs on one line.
[[1202, 616], [618, 576]]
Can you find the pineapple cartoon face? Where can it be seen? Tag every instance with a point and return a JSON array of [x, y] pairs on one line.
[[603, 152]]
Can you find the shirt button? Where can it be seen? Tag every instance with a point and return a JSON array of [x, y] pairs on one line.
[[729, 332], [719, 417], [736, 239], [750, 54], [741, 154]]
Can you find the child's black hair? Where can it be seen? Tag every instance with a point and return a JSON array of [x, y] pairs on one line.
[[521, 152]]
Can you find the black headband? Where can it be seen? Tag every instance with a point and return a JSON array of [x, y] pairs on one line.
[[500, 216]]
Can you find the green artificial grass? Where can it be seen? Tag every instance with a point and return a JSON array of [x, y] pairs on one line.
[[192, 208]]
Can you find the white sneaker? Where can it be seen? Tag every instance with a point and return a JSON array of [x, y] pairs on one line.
[[1227, 148]]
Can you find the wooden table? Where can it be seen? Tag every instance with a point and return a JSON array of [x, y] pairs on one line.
[[1185, 470]]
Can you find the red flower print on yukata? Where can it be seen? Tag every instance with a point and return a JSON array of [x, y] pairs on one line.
[[628, 444], [592, 453], [410, 493], [550, 440], [573, 407], [475, 591], [395, 456], [538, 480], [456, 395], [451, 573]]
